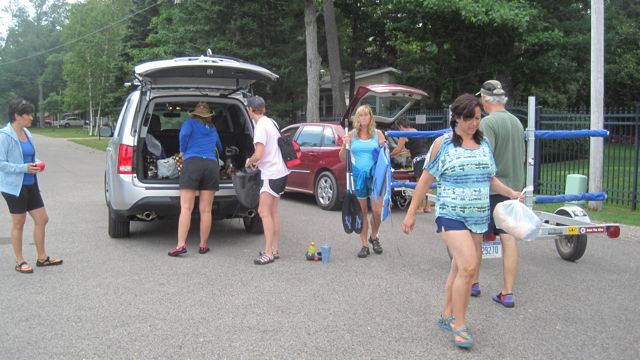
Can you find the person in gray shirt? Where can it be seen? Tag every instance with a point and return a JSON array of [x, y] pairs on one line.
[[506, 136]]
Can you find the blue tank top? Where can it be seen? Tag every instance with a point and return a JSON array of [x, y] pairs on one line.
[[363, 152], [29, 156]]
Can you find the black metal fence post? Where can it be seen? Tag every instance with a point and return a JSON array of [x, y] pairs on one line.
[[445, 116]]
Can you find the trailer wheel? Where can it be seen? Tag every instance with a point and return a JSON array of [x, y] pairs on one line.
[[570, 247], [401, 201]]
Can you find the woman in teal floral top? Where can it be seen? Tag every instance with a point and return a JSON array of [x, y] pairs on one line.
[[462, 161]]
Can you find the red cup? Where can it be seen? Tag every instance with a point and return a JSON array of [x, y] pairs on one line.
[[40, 165]]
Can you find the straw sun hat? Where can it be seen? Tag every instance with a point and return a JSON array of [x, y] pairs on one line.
[[202, 110]]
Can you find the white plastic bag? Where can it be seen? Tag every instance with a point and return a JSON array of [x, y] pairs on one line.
[[168, 168], [517, 220]]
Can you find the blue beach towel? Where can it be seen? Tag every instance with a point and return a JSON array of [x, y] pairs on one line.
[[382, 180]]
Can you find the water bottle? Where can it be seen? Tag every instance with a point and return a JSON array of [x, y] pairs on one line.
[[311, 251]]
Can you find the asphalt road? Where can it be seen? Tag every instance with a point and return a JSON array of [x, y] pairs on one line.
[[126, 299]]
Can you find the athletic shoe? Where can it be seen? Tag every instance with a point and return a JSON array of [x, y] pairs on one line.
[[364, 252], [203, 249], [475, 289], [507, 300], [377, 248], [178, 251]]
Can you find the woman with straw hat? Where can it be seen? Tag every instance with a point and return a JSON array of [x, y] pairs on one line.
[[200, 172]]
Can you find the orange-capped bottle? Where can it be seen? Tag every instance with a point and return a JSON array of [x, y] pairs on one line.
[[311, 250]]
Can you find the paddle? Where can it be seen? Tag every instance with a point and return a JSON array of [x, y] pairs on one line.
[[351, 211]]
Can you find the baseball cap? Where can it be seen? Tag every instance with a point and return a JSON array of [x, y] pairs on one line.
[[256, 102], [491, 88]]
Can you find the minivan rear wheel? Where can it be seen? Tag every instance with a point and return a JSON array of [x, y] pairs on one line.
[[253, 224], [118, 228]]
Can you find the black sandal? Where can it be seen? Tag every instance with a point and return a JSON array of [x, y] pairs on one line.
[[49, 262], [263, 259], [24, 268], [276, 254]]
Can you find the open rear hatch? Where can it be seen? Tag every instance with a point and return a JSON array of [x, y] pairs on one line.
[[204, 72], [174, 87], [388, 101]]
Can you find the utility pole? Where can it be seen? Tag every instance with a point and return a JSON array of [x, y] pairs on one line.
[[597, 99], [40, 99]]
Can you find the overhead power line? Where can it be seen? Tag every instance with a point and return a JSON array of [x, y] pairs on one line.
[[39, 53]]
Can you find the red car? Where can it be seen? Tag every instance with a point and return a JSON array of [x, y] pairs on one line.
[[321, 172]]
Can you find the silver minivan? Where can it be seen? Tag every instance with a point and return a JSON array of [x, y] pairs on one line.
[[146, 134]]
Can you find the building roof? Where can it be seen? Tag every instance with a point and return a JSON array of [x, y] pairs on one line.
[[325, 82]]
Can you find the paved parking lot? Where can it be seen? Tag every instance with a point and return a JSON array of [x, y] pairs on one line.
[[126, 299]]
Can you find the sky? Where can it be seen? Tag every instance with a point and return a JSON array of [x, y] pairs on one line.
[[5, 18]]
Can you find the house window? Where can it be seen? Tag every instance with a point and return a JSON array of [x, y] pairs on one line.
[[326, 106]]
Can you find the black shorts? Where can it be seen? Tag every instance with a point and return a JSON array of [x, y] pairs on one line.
[[29, 199], [200, 174], [274, 187], [493, 201], [418, 167]]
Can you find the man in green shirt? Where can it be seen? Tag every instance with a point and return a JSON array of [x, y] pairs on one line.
[[506, 135]]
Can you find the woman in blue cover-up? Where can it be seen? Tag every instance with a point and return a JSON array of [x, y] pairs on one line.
[[463, 163], [364, 141], [19, 184]]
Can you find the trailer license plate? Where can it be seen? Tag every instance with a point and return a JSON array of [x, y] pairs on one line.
[[491, 249]]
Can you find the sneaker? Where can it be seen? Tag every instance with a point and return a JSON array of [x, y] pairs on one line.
[[263, 259], [178, 251], [507, 300], [377, 248], [203, 249], [475, 289], [364, 252]]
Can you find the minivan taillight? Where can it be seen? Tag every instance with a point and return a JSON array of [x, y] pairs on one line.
[[125, 159]]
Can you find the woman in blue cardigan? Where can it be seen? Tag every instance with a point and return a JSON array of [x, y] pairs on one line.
[[19, 184]]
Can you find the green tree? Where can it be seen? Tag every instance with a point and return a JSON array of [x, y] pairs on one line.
[[30, 39], [269, 33], [313, 60], [622, 53], [94, 38], [334, 58], [53, 104]]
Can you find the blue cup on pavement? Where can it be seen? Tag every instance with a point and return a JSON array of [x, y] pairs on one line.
[[326, 251]]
